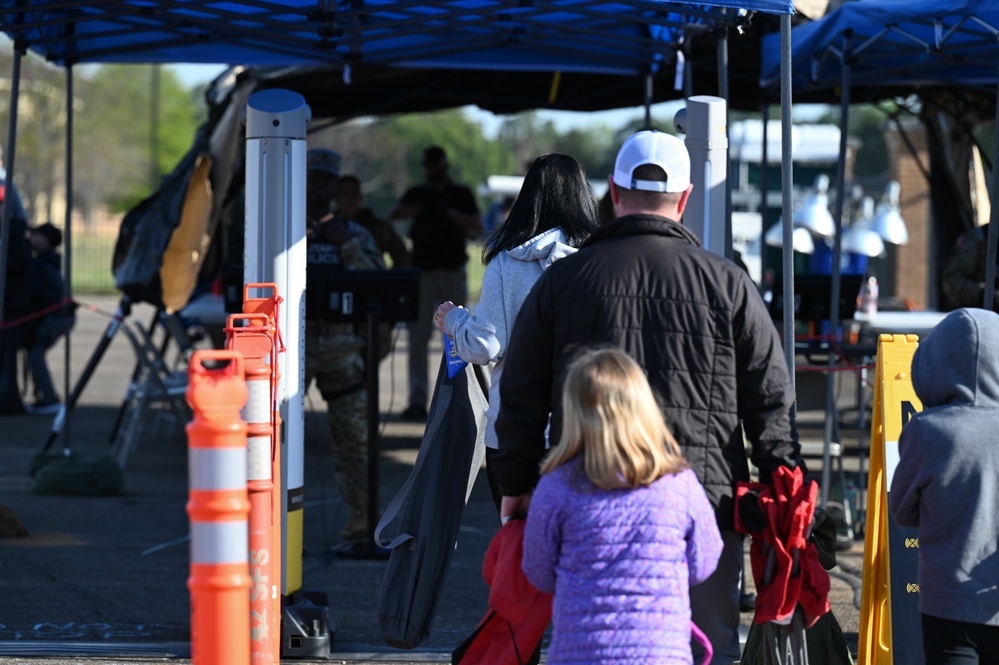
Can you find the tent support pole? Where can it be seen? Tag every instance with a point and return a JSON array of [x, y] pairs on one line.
[[724, 94], [67, 256], [8, 211], [764, 185], [993, 237], [832, 415], [648, 100], [688, 71], [787, 185]]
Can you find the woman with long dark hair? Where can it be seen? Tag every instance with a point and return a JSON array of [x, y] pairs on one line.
[[552, 216]]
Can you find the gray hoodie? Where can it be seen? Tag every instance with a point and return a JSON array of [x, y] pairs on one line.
[[947, 479], [509, 277]]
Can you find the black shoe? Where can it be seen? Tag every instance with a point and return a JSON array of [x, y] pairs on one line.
[[747, 602], [415, 413]]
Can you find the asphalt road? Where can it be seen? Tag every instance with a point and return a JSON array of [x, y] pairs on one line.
[[103, 579]]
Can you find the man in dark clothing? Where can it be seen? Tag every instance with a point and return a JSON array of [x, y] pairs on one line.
[[46, 289], [963, 278], [350, 206], [696, 324], [443, 215]]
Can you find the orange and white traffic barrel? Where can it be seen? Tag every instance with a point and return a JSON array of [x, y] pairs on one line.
[[253, 336], [218, 508]]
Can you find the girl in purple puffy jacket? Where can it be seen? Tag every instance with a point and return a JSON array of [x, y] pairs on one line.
[[618, 527]]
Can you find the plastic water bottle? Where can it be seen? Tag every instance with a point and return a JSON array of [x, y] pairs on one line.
[[869, 297]]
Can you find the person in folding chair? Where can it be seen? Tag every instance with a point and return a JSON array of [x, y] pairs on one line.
[[334, 351], [46, 289]]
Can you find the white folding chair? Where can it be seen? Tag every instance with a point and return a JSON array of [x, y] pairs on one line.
[[155, 391]]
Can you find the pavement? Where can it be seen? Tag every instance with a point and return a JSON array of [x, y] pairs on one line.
[[103, 579]]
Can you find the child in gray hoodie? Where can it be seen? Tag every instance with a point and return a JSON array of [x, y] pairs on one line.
[[947, 485]]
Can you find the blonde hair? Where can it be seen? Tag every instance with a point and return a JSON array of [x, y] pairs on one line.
[[611, 418]]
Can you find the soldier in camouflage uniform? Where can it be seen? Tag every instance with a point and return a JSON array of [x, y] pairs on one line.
[[964, 272], [334, 351]]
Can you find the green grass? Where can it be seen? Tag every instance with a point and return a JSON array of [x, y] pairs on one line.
[[474, 270], [91, 264], [92, 253]]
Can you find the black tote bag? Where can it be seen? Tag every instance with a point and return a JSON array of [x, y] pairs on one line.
[[430, 505]]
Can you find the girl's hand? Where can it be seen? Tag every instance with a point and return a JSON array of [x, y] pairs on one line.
[[442, 311]]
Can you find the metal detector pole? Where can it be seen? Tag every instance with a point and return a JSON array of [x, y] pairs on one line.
[[703, 122], [275, 252]]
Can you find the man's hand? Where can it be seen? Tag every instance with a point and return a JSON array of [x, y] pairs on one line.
[[514, 507]]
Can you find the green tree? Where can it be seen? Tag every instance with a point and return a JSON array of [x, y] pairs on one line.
[[384, 153], [472, 156], [525, 136], [115, 123], [39, 166]]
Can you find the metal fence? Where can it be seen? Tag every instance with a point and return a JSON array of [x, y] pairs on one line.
[[93, 249]]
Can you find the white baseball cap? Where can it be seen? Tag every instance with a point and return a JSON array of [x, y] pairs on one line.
[[651, 147]]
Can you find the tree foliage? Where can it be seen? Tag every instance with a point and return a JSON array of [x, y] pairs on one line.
[[117, 122], [112, 132], [39, 156]]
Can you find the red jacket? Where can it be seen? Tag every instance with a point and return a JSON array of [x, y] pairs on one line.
[[518, 613], [796, 577]]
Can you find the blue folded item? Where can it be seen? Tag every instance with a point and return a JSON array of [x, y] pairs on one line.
[[454, 363]]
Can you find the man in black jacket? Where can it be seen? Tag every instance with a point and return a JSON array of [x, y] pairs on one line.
[[696, 324]]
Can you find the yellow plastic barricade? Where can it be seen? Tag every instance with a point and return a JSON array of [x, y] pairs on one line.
[[890, 631]]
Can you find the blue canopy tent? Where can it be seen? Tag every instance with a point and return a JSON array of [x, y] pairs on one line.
[[538, 41], [634, 39], [621, 37], [630, 40], [895, 45], [887, 48]]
